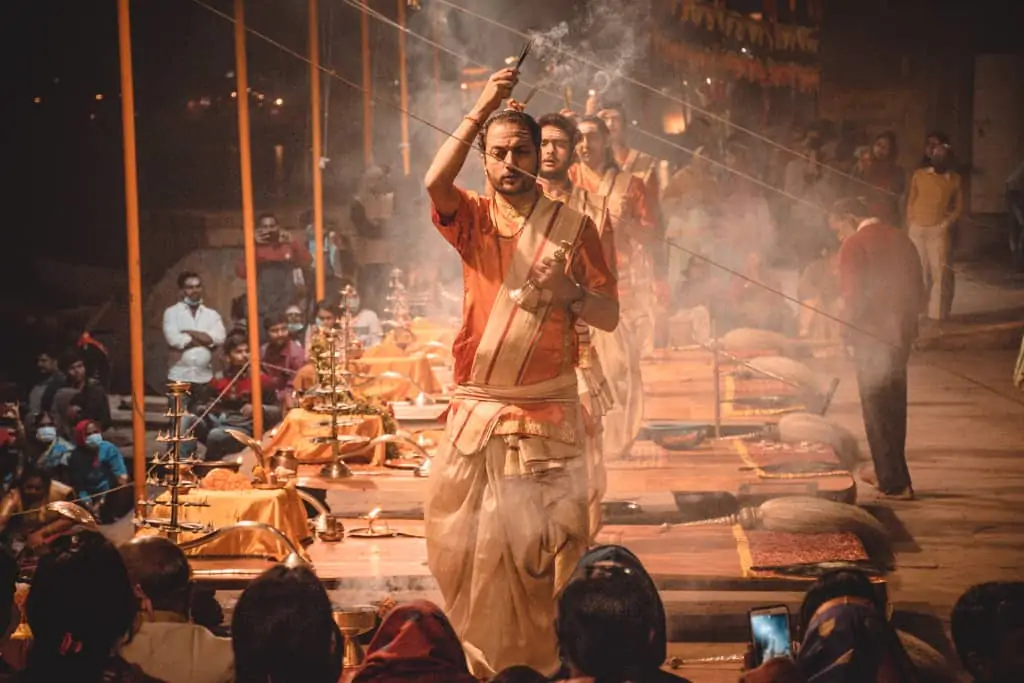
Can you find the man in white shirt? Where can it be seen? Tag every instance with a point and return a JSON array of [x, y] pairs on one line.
[[165, 643], [192, 331]]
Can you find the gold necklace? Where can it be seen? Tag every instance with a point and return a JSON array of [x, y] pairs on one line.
[[510, 213]]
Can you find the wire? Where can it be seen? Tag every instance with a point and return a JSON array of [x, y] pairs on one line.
[[540, 87], [735, 273], [659, 93]]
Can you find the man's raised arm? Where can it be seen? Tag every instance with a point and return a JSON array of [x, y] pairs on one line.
[[440, 178]]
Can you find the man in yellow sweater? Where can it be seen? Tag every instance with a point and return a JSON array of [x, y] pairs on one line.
[[934, 203]]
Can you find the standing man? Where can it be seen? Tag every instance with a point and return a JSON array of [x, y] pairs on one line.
[[883, 293], [192, 331], [632, 225], [506, 517], [934, 203], [40, 397], [280, 262], [558, 137]]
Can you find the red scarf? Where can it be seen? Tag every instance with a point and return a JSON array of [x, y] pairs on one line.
[[415, 644]]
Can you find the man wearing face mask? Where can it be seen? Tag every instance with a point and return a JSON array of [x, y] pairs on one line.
[[47, 450], [96, 466], [366, 325], [192, 331], [296, 323]]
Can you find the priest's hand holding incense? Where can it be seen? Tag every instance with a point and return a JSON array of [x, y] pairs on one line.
[[440, 178]]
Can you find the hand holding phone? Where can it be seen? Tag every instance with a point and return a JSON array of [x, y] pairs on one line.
[[770, 633]]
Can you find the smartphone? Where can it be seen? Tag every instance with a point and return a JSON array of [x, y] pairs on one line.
[[770, 633]]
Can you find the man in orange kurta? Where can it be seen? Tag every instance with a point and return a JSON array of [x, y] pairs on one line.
[[558, 135], [634, 228], [506, 515]]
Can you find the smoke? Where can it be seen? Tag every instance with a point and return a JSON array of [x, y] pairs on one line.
[[608, 34]]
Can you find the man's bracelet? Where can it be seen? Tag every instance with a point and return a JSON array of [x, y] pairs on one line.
[[472, 119]]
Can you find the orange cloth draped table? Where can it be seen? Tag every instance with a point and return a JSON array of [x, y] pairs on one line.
[[415, 366], [300, 426], [281, 508], [427, 330]]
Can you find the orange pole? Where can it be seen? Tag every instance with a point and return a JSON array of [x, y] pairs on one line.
[[364, 23], [248, 228], [318, 186], [131, 207], [403, 88]]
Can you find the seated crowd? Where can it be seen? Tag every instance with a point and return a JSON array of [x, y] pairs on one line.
[[131, 615], [60, 444]]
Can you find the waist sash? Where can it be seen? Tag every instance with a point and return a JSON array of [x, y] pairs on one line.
[[477, 408]]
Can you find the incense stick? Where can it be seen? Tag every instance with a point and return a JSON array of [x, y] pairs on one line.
[[524, 53]]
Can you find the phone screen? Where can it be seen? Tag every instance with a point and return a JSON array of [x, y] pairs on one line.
[[769, 631]]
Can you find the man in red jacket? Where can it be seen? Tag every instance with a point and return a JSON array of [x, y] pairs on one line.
[[883, 296]]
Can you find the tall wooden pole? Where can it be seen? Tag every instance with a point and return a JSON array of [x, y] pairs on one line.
[[131, 206], [403, 88], [364, 24], [248, 228], [318, 187]]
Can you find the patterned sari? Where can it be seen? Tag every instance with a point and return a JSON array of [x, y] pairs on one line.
[[848, 641]]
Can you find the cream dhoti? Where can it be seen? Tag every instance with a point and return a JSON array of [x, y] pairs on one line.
[[506, 523]]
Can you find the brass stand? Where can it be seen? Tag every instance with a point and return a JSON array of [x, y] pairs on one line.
[[182, 477]]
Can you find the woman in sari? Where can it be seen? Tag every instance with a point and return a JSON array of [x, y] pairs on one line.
[[847, 638], [415, 644]]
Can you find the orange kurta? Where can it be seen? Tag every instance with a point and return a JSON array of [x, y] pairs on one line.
[[486, 257], [631, 219], [604, 225], [652, 191]]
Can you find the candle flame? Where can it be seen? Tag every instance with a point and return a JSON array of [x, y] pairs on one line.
[[374, 513]]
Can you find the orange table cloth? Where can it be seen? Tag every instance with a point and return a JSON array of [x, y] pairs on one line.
[[300, 426], [281, 508], [416, 367]]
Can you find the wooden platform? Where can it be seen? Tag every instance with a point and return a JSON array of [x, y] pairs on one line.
[[705, 574], [715, 479]]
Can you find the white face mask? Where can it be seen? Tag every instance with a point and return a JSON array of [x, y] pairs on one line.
[[46, 434], [354, 304]]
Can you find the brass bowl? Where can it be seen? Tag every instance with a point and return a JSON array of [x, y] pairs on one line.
[[353, 622]]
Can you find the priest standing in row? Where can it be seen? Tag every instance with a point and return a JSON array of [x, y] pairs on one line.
[[506, 516]]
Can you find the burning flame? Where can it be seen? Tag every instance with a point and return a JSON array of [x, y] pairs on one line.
[[373, 514]]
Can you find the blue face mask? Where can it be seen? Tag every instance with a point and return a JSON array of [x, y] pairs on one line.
[[46, 434], [295, 327], [94, 440], [193, 302]]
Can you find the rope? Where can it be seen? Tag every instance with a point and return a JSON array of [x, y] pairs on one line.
[[668, 242], [540, 87], [657, 92], [151, 469]]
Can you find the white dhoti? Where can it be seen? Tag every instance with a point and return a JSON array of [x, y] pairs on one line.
[[620, 360], [506, 523], [501, 543], [596, 400]]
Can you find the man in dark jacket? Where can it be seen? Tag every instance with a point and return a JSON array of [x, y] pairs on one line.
[[883, 296]]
